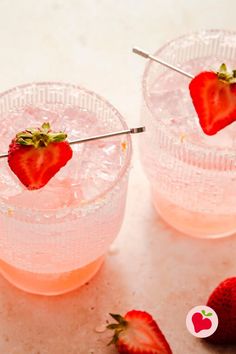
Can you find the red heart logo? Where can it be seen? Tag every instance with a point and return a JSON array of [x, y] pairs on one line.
[[200, 323]]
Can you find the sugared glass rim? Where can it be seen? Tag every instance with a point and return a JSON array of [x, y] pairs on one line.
[[188, 145], [123, 170]]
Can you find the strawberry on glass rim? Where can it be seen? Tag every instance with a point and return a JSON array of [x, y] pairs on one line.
[[214, 98], [138, 333], [37, 154]]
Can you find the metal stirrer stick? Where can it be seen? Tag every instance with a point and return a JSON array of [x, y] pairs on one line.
[[96, 137], [146, 55]]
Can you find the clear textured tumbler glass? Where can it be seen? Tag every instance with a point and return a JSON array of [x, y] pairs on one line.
[[192, 175], [54, 239]]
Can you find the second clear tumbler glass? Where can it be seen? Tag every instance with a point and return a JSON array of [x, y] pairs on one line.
[[192, 175]]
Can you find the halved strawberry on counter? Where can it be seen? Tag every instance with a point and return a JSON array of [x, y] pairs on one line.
[[223, 301], [138, 333], [214, 98], [37, 154]]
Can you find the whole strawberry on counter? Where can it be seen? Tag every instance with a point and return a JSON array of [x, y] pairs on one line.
[[214, 98], [223, 301], [138, 333], [37, 154]]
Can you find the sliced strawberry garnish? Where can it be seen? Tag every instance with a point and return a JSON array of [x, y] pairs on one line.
[[214, 98], [36, 155], [223, 301], [138, 333]]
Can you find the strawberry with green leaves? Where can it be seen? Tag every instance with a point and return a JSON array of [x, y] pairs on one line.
[[138, 333], [37, 154], [214, 98]]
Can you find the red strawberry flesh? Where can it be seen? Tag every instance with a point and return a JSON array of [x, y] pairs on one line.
[[223, 301], [214, 98], [36, 155], [138, 333]]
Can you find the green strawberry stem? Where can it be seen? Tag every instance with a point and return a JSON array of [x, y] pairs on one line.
[[118, 327], [226, 76], [39, 137]]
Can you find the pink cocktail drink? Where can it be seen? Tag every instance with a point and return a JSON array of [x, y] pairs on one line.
[[192, 175], [54, 239]]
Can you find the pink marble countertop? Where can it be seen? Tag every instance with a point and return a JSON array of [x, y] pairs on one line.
[[151, 266]]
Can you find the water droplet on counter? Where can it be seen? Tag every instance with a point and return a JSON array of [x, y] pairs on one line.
[[113, 249], [100, 329]]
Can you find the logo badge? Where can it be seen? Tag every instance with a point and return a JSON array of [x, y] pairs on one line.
[[202, 321]]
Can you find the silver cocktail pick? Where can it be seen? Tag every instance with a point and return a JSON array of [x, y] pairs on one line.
[[103, 136], [146, 55]]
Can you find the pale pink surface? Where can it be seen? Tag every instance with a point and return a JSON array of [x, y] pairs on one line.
[[152, 268]]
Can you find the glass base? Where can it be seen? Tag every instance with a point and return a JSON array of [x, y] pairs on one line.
[[50, 284], [200, 225]]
